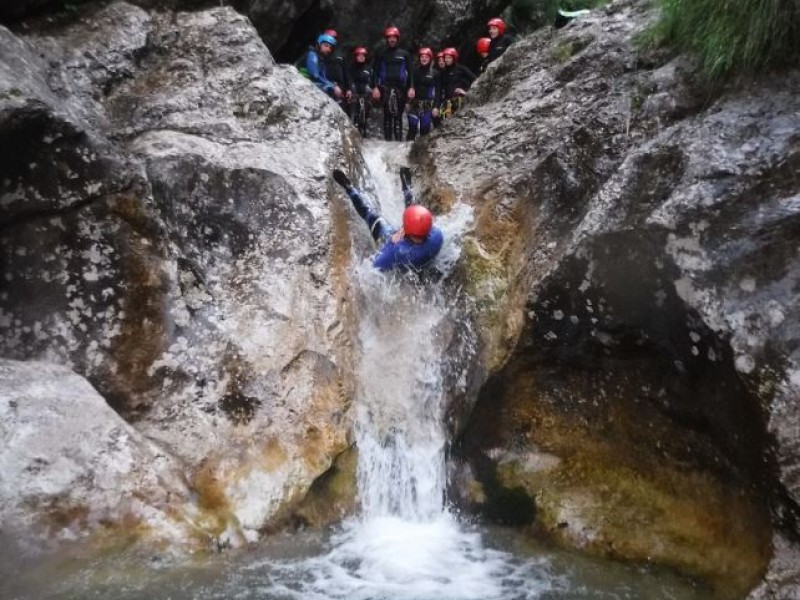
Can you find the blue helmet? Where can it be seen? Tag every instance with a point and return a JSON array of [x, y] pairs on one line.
[[326, 39]]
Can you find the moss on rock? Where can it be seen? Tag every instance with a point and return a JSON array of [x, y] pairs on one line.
[[332, 495]]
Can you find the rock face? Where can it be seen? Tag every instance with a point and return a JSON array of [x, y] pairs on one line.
[[73, 463], [166, 233], [635, 269], [288, 27]]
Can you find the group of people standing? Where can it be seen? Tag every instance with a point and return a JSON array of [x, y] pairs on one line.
[[422, 91]]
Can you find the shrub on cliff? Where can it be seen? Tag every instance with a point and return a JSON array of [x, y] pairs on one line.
[[733, 36]]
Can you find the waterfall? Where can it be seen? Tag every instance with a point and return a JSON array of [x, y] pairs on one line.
[[400, 404]]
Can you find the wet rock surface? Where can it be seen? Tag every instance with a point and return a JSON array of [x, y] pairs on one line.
[[633, 264], [163, 236], [69, 463]]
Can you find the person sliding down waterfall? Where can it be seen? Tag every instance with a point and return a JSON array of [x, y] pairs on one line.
[[412, 247]]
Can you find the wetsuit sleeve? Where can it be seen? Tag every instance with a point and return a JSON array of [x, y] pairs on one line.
[[387, 258], [376, 63], [469, 76], [316, 73], [409, 70]]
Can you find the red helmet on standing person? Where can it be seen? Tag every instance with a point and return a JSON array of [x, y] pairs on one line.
[[483, 45], [417, 221], [451, 52], [425, 52], [360, 50], [499, 23], [391, 32], [332, 33]]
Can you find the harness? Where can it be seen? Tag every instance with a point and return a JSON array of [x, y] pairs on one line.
[[451, 106], [393, 104]]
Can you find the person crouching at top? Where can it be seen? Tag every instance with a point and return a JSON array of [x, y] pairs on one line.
[[456, 80], [312, 65]]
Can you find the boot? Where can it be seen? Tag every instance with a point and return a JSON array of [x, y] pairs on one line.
[[340, 178]]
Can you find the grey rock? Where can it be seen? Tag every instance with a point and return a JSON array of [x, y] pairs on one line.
[[68, 462], [179, 251]]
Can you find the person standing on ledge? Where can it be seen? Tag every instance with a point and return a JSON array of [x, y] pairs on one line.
[[412, 247], [500, 41]]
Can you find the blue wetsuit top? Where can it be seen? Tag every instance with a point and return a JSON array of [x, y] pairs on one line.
[[405, 254], [317, 71]]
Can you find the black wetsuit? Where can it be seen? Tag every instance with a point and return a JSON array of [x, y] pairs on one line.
[[392, 73], [336, 70], [499, 45], [428, 94], [454, 77], [361, 81]]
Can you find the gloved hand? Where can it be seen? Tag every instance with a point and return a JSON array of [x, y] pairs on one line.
[[340, 178]]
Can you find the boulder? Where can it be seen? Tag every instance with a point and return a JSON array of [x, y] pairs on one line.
[[70, 464], [167, 233]]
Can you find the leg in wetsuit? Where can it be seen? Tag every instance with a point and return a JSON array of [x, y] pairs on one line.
[[378, 227], [394, 102]]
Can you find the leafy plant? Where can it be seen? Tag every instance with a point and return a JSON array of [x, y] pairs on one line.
[[733, 36]]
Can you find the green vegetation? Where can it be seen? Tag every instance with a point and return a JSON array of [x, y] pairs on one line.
[[732, 36]]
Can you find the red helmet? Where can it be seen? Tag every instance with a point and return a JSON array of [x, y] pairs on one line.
[[451, 52], [440, 54], [391, 31], [499, 23], [483, 45], [332, 33], [417, 221], [360, 50], [425, 52]]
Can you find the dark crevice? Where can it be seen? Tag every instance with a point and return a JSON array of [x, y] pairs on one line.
[[35, 215], [303, 33]]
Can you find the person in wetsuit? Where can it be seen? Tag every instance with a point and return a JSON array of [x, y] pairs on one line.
[[312, 65], [412, 247], [337, 71], [456, 80], [425, 106], [500, 41], [393, 83], [361, 82], [482, 48]]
